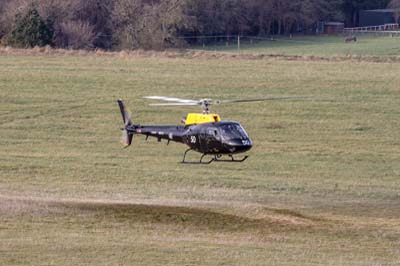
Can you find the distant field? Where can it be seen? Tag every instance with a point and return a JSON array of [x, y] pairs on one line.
[[320, 46], [321, 186]]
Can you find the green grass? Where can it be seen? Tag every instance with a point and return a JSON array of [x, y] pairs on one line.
[[321, 185], [319, 46]]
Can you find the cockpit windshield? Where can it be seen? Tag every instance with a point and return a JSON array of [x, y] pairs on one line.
[[233, 131]]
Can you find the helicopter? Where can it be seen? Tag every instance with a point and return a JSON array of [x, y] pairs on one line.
[[202, 132]]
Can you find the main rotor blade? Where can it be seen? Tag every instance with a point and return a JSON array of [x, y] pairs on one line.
[[258, 99], [173, 104], [169, 99]]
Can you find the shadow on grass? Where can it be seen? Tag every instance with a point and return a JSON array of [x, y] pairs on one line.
[[204, 219], [182, 217]]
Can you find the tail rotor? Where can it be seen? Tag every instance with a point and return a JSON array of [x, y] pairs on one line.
[[127, 136]]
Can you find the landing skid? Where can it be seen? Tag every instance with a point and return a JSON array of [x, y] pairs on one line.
[[215, 158], [232, 160], [201, 159]]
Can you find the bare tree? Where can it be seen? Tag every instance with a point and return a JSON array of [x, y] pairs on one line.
[[125, 20], [77, 35], [98, 14], [395, 4], [10, 10], [150, 25]]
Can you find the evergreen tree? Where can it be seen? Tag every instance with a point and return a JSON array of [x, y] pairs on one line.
[[31, 30]]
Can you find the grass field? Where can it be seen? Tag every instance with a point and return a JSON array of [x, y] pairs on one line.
[[321, 186], [313, 45]]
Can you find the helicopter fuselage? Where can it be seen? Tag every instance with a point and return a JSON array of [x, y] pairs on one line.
[[218, 138], [204, 133]]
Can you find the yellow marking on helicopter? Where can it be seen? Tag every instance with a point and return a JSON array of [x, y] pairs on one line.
[[196, 118]]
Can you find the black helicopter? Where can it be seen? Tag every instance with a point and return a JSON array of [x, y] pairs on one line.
[[203, 132]]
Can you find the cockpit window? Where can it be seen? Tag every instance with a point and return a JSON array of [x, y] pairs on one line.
[[233, 131]]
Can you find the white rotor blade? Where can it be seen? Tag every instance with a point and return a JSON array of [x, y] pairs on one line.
[[169, 99], [173, 104], [258, 99]]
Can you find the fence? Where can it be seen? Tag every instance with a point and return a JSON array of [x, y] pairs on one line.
[[230, 43], [278, 44], [391, 30]]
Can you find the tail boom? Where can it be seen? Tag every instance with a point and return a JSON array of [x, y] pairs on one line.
[[169, 133]]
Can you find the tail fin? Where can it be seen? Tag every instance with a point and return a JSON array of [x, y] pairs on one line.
[[127, 136], [126, 116]]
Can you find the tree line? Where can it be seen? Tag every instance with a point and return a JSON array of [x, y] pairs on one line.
[[157, 24]]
